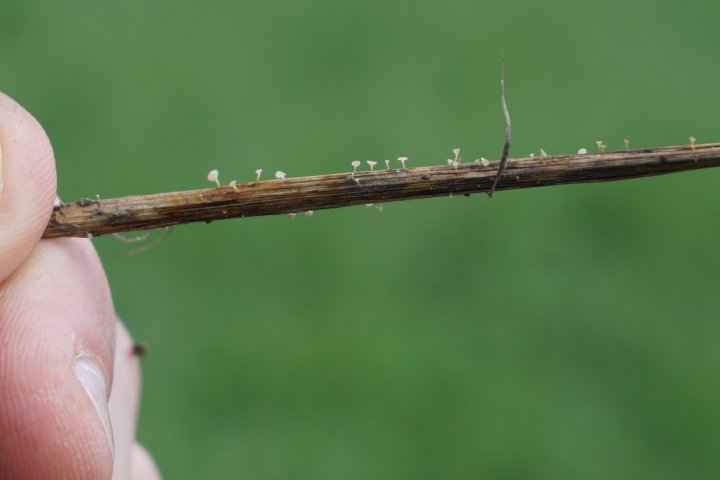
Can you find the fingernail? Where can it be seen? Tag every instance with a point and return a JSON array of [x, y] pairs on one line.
[[1, 168], [93, 381]]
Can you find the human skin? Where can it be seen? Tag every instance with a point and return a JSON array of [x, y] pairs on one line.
[[69, 382]]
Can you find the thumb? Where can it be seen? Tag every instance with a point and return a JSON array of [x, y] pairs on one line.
[[57, 324], [27, 184]]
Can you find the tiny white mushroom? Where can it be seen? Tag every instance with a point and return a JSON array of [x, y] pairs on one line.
[[309, 213], [213, 176], [292, 215], [456, 152], [372, 164], [582, 151], [387, 164], [627, 144], [280, 174], [601, 146], [484, 161], [543, 153], [692, 142], [532, 155], [450, 161], [402, 160], [233, 184], [355, 164], [258, 172]]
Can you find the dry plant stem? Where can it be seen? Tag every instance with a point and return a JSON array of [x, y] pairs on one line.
[[94, 217]]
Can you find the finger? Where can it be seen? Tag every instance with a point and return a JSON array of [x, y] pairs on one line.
[[124, 402], [57, 324], [57, 340], [144, 467], [27, 184]]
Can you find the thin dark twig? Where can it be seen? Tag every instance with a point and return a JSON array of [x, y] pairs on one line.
[[506, 146]]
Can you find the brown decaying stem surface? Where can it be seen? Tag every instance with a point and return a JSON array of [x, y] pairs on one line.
[[94, 217]]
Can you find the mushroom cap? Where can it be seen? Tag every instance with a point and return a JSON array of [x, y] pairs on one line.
[[213, 175]]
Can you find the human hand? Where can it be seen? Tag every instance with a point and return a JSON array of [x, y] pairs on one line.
[[61, 343]]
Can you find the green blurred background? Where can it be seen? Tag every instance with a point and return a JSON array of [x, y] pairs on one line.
[[558, 333]]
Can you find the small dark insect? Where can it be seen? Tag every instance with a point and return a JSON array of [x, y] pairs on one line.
[[139, 349]]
